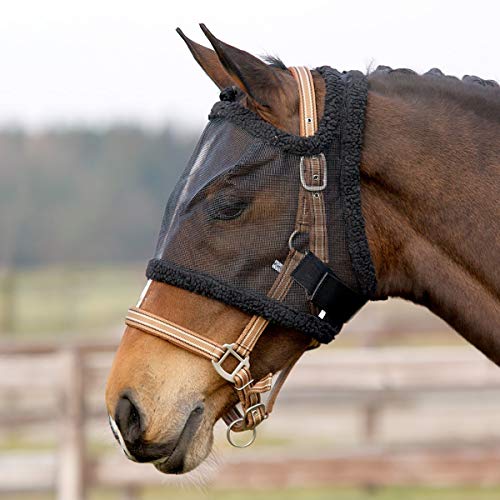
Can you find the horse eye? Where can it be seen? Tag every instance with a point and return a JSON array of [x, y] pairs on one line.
[[227, 209]]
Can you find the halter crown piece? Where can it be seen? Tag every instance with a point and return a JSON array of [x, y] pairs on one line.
[[329, 299]]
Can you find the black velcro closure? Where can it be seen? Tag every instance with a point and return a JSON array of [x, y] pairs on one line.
[[326, 291]]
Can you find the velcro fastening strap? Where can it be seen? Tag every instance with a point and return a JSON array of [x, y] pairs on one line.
[[326, 291]]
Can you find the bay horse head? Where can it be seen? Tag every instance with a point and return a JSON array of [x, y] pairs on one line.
[[280, 230]]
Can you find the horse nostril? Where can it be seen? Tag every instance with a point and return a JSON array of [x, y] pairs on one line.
[[198, 409], [128, 420]]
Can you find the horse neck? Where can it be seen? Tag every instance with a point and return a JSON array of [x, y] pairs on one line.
[[430, 173]]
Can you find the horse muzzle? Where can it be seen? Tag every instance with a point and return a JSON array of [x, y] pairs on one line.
[[129, 428]]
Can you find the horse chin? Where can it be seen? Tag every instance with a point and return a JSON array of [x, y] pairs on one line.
[[183, 461]]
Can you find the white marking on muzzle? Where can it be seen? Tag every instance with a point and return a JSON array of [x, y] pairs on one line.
[[143, 293], [119, 437]]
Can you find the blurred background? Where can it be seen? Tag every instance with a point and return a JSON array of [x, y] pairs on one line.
[[100, 106]]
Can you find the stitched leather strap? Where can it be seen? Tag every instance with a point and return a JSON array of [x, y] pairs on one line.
[[178, 335], [307, 102], [313, 169]]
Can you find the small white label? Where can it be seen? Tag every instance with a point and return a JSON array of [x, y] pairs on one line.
[[322, 314], [277, 266]]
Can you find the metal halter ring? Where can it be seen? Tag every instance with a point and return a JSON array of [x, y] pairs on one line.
[[291, 240], [230, 439]]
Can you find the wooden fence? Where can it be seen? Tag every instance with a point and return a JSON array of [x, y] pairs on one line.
[[373, 378]]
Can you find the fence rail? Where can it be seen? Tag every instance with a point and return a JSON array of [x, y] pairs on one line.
[[374, 378]]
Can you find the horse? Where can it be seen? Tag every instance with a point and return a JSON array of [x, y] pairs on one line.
[[428, 180]]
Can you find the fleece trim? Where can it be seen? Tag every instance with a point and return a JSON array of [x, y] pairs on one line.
[[246, 300], [351, 143], [328, 127]]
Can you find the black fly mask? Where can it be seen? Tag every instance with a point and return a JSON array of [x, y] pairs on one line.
[[231, 220]]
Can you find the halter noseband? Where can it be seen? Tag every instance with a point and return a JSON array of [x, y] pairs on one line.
[[310, 219]]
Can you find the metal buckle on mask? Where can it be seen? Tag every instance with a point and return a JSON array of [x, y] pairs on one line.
[[242, 363], [305, 185]]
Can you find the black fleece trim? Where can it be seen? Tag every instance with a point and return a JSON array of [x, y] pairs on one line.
[[328, 127], [356, 96], [246, 300]]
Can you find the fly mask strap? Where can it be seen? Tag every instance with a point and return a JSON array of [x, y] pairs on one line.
[[313, 169], [311, 215], [310, 219]]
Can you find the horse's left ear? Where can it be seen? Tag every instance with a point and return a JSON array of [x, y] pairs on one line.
[[265, 84], [209, 61]]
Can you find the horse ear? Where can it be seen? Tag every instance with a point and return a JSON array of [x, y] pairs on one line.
[[263, 83], [209, 62]]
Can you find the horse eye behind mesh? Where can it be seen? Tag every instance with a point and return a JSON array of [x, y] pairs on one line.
[[227, 209]]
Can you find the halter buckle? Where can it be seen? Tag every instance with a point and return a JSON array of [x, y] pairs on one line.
[[255, 408], [242, 363], [303, 181]]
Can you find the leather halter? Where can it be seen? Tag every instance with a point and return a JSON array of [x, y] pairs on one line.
[[310, 219]]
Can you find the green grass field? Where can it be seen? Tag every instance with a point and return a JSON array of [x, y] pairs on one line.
[[393, 493], [83, 300]]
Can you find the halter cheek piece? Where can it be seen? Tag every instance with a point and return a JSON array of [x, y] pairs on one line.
[[310, 271]]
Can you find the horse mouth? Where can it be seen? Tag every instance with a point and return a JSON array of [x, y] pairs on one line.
[[175, 462]]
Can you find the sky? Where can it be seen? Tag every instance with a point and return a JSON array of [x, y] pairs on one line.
[[96, 62]]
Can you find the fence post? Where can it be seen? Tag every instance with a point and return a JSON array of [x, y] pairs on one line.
[[71, 460], [371, 415]]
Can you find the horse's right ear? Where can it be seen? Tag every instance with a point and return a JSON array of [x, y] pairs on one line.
[[209, 61]]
